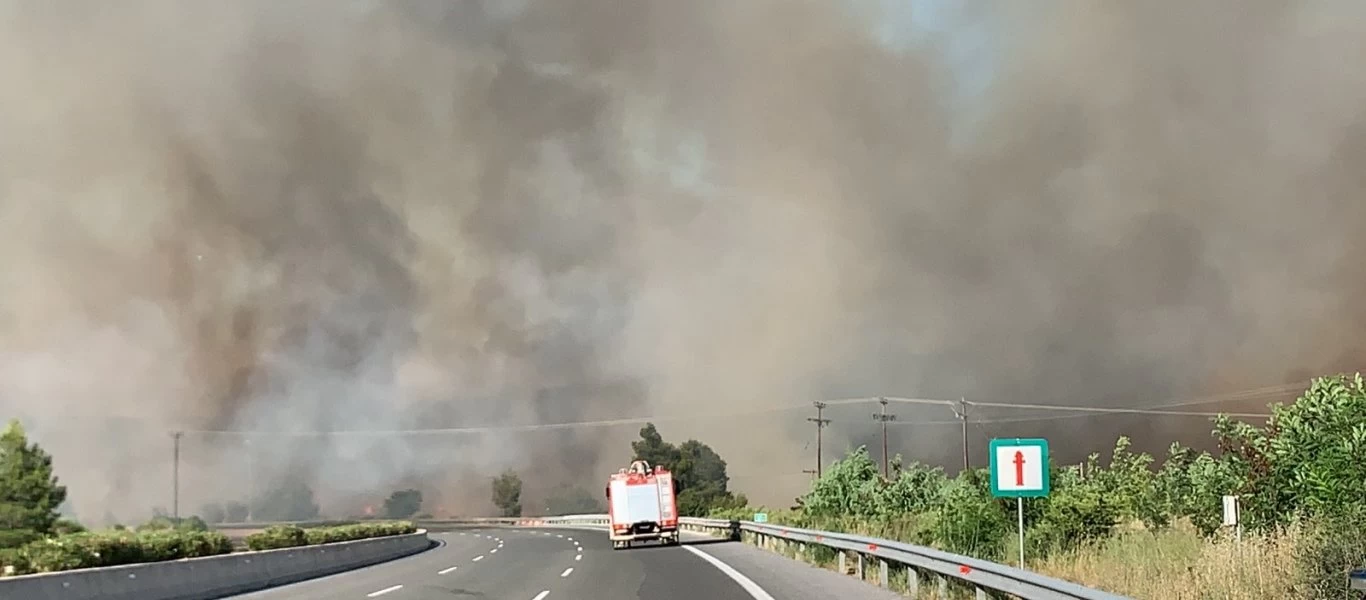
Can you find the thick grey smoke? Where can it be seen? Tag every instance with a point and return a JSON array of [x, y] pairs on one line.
[[371, 216]]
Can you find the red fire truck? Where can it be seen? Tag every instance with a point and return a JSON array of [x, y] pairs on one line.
[[641, 505]]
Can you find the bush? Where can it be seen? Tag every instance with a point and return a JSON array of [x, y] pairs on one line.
[[969, 521], [164, 523], [277, 536], [1329, 550], [1077, 511], [290, 536], [14, 538], [359, 531], [67, 526], [88, 550]]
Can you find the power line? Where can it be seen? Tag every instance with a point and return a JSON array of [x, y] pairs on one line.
[[1098, 409], [957, 405]]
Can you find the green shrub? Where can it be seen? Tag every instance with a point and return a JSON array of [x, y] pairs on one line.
[[290, 536], [67, 526], [163, 523], [969, 521], [359, 531], [1076, 512], [14, 538], [277, 536], [87, 550]]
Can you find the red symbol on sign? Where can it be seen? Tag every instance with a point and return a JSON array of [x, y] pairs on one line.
[[1019, 468]]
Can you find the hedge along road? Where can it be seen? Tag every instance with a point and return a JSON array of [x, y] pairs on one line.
[[550, 563]]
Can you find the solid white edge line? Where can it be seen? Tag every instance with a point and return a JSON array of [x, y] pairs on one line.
[[748, 584], [445, 571], [542, 595], [567, 572], [384, 591]]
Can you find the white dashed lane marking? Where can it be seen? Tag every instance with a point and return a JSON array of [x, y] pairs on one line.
[[479, 558], [445, 571], [567, 572], [384, 591], [542, 595]]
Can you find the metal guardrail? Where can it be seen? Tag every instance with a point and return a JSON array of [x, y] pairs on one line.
[[980, 574]]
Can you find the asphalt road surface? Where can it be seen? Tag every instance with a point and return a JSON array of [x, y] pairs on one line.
[[563, 563]]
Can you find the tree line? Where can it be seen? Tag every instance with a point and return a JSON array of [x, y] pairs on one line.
[[700, 481]]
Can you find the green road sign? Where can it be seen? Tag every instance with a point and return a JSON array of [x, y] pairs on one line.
[[1019, 468], [760, 517]]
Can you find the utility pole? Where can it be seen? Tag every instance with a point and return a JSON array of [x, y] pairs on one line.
[[820, 425], [962, 413], [251, 478], [175, 476], [883, 417]]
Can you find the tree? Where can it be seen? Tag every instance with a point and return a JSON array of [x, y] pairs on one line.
[[1306, 461], [235, 512], [29, 492], [507, 494], [700, 477], [653, 449], [570, 500], [290, 500], [403, 504], [214, 513]]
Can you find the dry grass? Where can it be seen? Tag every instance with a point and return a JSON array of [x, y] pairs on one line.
[[1177, 564]]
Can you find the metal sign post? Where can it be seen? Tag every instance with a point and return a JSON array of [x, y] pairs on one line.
[[1019, 470]]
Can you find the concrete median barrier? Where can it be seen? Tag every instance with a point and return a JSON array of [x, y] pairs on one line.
[[212, 577]]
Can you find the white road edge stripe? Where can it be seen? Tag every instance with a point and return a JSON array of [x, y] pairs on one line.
[[542, 595], [384, 591], [748, 584], [567, 572], [445, 571]]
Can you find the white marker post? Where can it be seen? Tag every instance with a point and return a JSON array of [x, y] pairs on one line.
[[1232, 517], [1019, 470]]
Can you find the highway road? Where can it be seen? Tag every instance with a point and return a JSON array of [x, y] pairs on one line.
[[563, 563]]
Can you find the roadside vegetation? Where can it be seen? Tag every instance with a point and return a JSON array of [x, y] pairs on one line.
[[292, 536], [35, 539], [1139, 526]]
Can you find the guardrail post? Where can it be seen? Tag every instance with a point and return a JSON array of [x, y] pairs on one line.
[[882, 573], [943, 588], [860, 566], [981, 594], [843, 570], [913, 581]]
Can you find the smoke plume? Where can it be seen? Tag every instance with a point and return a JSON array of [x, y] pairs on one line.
[[289, 218]]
